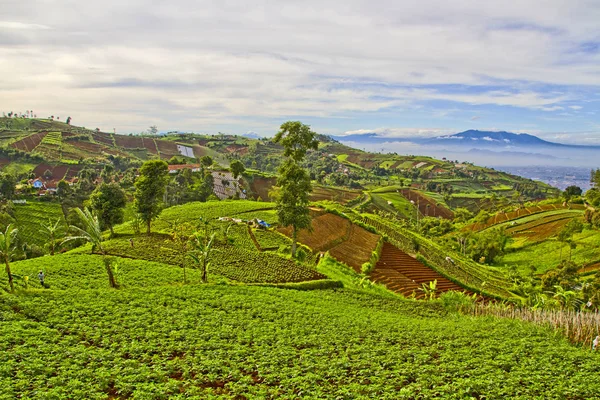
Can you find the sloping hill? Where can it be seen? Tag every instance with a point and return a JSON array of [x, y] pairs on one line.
[[404, 274]]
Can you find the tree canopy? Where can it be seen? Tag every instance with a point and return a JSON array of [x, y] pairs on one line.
[[149, 190], [296, 139], [294, 181], [108, 201]]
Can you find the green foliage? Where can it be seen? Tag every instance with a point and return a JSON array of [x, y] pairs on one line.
[[90, 231], [457, 301], [149, 189], [486, 246], [296, 139], [7, 186], [462, 214], [108, 201], [218, 341], [293, 201], [8, 250], [237, 168]]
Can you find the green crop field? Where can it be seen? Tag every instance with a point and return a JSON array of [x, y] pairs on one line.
[[225, 341], [33, 216], [547, 254]]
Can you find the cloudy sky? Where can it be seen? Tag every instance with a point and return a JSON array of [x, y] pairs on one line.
[[399, 68]]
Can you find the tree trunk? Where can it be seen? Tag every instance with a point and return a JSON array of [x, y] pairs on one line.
[[294, 237], [10, 278], [204, 272], [111, 277], [112, 232], [148, 227]]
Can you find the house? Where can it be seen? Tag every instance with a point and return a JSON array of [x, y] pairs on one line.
[[37, 183], [175, 168]]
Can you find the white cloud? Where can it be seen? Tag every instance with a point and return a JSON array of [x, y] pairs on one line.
[[402, 132], [192, 66], [575, 108], [21, 25]]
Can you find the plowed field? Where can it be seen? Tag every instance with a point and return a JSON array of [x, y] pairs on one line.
[[357, 250], [30, 142], [401, 273], [434, 209], [327, 231]]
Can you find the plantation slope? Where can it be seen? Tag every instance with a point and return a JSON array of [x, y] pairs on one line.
[[218, 341], [87, 271], [427, 206], [545, 255], [239, 261], [357, 250], [401, 273], [478, 278], [506, 217], [326, 231], [31, 218]]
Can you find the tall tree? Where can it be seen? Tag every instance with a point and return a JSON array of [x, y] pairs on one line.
[[8, 249], [237, 168], [294, 181], [206, 161], [7, 186], [149, 190], [108, 201]]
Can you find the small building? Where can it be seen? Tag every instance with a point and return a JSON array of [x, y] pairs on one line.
[[37, 183], [175, 168]]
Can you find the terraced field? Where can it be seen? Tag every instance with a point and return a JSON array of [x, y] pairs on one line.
[[357, 249], [544, 227], [427, 206], [30, 142], [32, 217], [335, 194], [328, 230], [502, 217], [403, 274]]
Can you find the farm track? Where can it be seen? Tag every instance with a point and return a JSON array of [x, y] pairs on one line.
[[403, 274]]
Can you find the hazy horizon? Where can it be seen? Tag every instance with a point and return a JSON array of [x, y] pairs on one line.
[[237, 67]]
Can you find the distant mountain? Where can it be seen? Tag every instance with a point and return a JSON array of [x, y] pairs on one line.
[[503, 148], [470, 139], [487, 138]]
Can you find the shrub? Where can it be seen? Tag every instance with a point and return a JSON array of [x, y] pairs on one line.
[[457, 301]]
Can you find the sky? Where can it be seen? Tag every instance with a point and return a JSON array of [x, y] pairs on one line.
[[397, 68]]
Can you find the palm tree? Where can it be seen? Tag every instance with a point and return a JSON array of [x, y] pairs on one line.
[[202, 247], [92, 233], [52, 231], [8, 250]]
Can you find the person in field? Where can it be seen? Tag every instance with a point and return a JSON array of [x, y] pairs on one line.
[[596, 342], [41, 277]]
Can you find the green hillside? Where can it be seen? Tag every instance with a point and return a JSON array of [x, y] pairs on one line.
[[157, 339]]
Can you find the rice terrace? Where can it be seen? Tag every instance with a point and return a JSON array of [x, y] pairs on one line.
[[283, 200]]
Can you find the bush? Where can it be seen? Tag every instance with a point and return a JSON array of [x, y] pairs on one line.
[[457, 301]]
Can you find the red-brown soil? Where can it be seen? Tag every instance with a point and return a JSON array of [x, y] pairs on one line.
[[328, 230], [340, 195], [357, 250], [434, 210], [260, 187], [404, 274], [30, 142]]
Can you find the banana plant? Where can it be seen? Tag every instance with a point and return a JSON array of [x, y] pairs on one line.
[[8, 249]]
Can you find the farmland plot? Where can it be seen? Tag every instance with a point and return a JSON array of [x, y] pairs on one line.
[[248, 342]]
